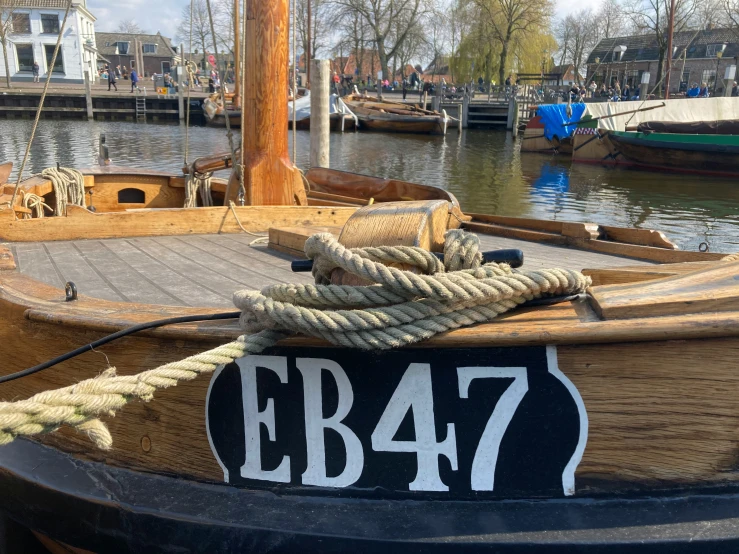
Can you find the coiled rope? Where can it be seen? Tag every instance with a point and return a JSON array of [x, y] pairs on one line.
[[69, 187], [198, 183], [400, 308], [34, 203]]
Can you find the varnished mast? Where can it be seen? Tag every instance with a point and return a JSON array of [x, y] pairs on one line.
[[269, 175]]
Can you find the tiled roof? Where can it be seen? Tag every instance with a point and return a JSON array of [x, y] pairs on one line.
[[106, 43], [36, 3], [645, 48]]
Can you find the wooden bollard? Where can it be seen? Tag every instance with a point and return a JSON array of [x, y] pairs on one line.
[[320, 122]]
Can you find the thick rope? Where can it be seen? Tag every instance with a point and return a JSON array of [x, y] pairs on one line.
[[82, 404], [34, 203], [198, 183], [49, 73], [69, 187], [731, 258], [400, 308]]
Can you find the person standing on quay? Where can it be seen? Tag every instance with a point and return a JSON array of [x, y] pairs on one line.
[[112, 79], [134, 80], [36, 69]]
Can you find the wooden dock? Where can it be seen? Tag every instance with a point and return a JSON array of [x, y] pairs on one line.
[[75, 103], [205, 270]]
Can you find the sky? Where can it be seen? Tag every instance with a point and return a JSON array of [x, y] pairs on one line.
[[162, 15]]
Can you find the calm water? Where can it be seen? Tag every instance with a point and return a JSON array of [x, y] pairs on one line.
[[485, 171]]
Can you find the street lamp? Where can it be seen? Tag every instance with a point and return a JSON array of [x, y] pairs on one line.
[[719, 55]]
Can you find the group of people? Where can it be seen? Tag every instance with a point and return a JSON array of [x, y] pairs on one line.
[[703, 91], [114, 74]]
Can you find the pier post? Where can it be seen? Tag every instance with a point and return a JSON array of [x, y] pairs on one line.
[[425, 100], [511, 111], [320, 122], [465, 111], [180, 79], [88, 95], [516, 115]]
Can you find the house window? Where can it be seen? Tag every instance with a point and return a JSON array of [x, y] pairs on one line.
[[711, 50], [709, 77], [150, 48], [49, 51], [21, 23], [122, 48], [49, 23], [24, 52]]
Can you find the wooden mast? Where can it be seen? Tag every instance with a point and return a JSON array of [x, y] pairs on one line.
[[269, 175], [237, 54]]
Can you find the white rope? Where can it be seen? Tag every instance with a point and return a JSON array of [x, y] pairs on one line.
[[198, 183], [69, 188], [34, 203]]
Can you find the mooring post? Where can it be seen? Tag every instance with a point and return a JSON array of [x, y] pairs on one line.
[[180, 81], [465, 110], [88, 95], [320, 122], [436, 102], [516, 114], [425, 99], [511, 109]]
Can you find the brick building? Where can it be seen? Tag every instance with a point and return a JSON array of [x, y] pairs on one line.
[[698, 56], [117, 49]]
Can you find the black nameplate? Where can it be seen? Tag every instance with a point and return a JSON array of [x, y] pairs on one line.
[[426, 423]]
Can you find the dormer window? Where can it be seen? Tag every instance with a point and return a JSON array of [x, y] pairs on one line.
[[150, 48], [122, 48], [713, 49]]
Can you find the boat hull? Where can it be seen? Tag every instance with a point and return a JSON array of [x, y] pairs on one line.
[[335, 119], [427, 126], [66, 498], [704, 154]]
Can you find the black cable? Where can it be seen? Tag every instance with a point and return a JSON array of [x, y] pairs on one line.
[[192, 319], [115, 336]]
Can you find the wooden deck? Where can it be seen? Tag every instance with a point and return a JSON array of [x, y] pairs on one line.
[[205, 270]]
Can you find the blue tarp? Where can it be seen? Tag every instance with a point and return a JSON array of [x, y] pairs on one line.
[[554, 116]]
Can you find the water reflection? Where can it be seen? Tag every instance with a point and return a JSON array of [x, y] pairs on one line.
[[484, 170]]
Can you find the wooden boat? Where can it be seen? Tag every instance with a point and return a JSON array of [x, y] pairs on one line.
[[533, 139], [340, 118], [710, 154], [394, 117], [603, 421]]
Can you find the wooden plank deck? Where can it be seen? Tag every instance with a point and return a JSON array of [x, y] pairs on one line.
[[205, 270]]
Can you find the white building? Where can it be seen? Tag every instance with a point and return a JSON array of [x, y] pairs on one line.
[[36, 26]]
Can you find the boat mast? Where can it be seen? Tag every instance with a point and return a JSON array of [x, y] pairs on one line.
[[670, 32], [269, 175], [237, 54]]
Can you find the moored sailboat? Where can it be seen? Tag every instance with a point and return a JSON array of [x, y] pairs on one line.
[[589, 417]]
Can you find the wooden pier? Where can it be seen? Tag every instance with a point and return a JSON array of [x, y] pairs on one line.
[[98, 104]]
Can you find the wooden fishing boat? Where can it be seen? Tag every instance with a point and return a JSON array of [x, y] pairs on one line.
[[709, 154], [394, 117], [534, 140], [591, 418], [341, 119]]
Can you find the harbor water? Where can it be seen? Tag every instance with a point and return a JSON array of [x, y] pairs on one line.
[[483, 169]]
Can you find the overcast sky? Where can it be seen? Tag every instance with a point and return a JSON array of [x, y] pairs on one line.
[[162, 15]]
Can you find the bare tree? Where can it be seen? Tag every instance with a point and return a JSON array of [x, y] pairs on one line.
[[202, 38], [314, 39], [8, 17], [580, 38], [129, 26], [382, 18], [610, 20], [652, 17], [510, 19]]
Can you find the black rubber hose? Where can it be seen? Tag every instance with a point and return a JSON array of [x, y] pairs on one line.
[[120, 334]]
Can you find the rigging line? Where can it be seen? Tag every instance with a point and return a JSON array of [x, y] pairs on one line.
[[244, 195], [190, 76], [295, 84], [49, 72], [664, 76], [229, 133]]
